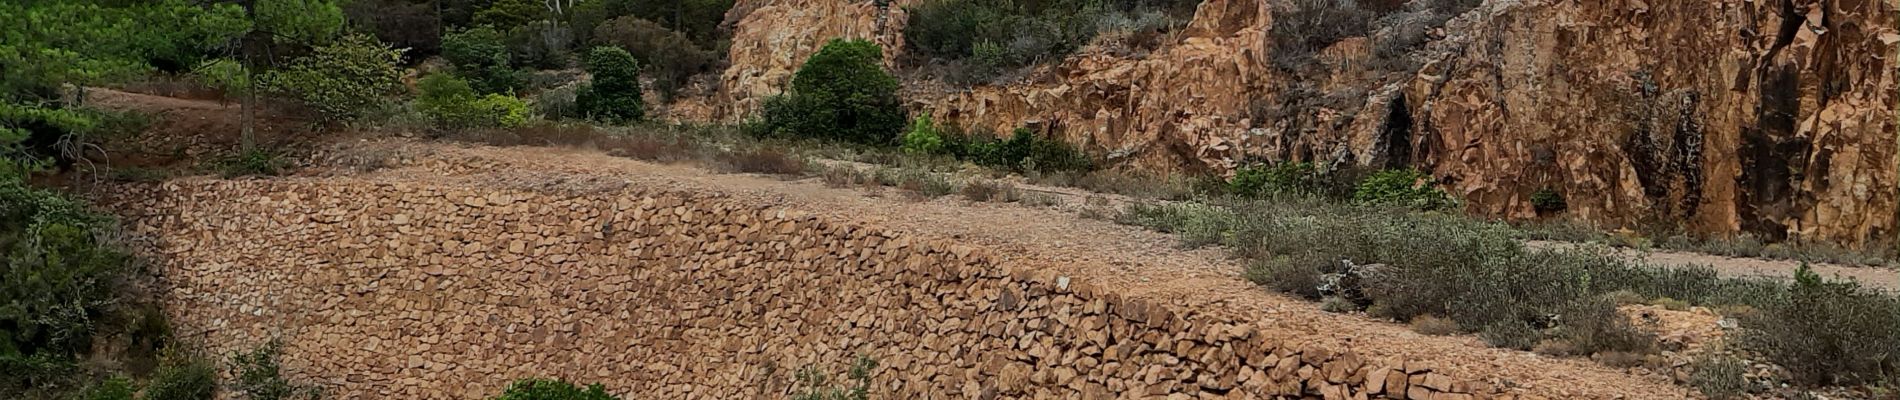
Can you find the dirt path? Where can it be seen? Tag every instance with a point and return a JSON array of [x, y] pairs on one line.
[[1735, 267], [1128, 260]]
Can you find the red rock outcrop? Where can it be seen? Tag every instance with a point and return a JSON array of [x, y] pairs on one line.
[[1719, 116]]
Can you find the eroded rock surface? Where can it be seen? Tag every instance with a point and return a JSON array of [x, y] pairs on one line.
[[1723, 116]]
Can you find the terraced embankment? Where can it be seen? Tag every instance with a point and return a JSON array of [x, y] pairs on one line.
[[470, 267]]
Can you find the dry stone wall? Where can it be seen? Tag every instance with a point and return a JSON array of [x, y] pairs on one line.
[[396, 290]]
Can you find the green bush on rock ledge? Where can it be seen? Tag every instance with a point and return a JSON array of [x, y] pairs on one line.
[[614, 95], [841, 93]]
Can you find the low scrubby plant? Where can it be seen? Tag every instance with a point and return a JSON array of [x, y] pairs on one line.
[[923, 138], [113, 388], [1547, 200], [1282, 178], [816, 384], [1827, 333], [253, 162], [1558, 302], [1402, 187], [1023, 151], [260, 377], [553, 389], [983, 191], [1719, 376], [182, 376], [763, 161]]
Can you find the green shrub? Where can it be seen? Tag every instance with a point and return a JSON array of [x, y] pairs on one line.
[[669, 57], [481, 54], [990, 36], [253, 162], [509, 14], [923, 137], [614, 95], [539, 44], [1827, 333], [38, 376], [60, 277], [1402, 187], [182, 377], [1281, 178], [1719, 377], [1548, 201], [114, 388], [1022, 152], [814, 384], [699, 20], [343, 80], [452, 104], [548, 389], [260, 377], [841, 93]]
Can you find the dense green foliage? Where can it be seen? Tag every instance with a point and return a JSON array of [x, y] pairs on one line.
[[404, 24], [549, 389], [60, 277], [1402, 187], [449, 102], [923, 138], [669, 57], [91, 43], [480, 55], [1022, 152], [1271, 179], [299, 21], [841, 93], [509, 14], [697, 19], [989, 36], [614, 94], [342, 80], [86, 43]]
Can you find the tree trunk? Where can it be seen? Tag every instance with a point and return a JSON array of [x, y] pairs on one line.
[[247, 141]]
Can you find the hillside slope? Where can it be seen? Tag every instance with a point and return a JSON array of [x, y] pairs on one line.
[[1773, 118]]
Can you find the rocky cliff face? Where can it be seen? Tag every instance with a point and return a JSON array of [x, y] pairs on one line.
[[1773, 117]]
